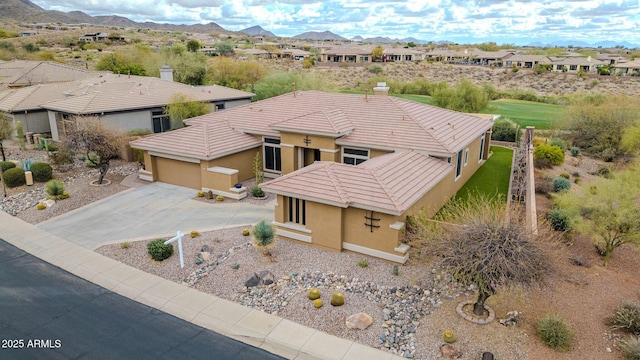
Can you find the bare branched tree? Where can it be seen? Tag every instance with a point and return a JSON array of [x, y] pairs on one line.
[[98, 143], [489, 250]]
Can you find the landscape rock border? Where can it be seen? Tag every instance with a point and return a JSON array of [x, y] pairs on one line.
[[475, 320]]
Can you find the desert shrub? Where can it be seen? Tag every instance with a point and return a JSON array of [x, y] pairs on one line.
[[604, 171], [449, 336], [559, 142], [257, 192], [565, 175], [504, 130], [465, 97], [158, 250], [6, 165], [630, 348], [14, 177], [194, 234], [92, 161], [375, 69], [125, 245], [313, 294], [627, 318], [561, 184], [42, 172], [559, 220], [41, 206], [555, 331], [552, 153], [363, 263], [544, 186], [263, 233], [55, 190], [575, 151], [337, 299]]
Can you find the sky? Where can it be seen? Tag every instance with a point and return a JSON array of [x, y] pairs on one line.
[[519, 22]]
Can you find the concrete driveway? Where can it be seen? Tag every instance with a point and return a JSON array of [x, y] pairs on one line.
[[153, 210]]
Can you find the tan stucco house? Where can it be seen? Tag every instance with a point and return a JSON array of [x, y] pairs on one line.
[[347, 169]]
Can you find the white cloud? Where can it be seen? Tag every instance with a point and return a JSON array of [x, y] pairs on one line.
[[478, 20]]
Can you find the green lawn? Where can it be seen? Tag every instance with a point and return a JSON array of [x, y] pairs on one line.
[[492, 179], [527, 113], [524, 113]]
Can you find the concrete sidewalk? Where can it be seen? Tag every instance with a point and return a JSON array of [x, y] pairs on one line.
[[269, 332], [153, 210]]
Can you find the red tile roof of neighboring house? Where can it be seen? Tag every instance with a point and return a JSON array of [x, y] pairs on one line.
[[380, 184], [377, 122]]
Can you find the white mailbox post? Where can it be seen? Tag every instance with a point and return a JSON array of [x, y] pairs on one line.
[[179, 238]]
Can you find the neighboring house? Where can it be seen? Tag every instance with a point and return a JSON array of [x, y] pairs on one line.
[[20, 73], [628, 68], [295, 54], [526, 61], [28, 33], [400, 54], [347, 53], [575, 64], [132, 102], [347, 169], [94, 37]]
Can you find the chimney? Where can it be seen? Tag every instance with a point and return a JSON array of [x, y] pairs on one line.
[[166, 73], [381, 89]]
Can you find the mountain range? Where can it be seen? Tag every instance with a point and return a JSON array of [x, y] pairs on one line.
[[26, 11]]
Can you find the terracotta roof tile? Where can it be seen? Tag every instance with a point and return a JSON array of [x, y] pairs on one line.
[[390, 183], [328, 123]]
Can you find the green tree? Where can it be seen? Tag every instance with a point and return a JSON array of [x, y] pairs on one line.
[[465, 97], [225, 48], [377, 53], [6, 132], [235, 74], [283, 82], [118, 63], [608, 210], [97, 143], [193, 45], [182, 107]]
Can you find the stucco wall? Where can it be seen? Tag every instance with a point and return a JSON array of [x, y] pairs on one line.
[[128, 120], [325, 222], [178, 172], [355, 232], [242, 161], [35, 122]]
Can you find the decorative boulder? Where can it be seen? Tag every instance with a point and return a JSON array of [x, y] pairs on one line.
[[359, 321], [252, 280], [266, 277], [337, 299], [449, 351]]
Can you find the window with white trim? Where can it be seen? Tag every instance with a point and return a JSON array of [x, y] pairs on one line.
[[354, 156], [481, 156], [297, 213], [459, 164], [272, 155], [466, 157]]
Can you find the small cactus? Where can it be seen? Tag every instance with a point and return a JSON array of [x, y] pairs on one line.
[[449, 336], [314, 294], [194, 234], [317, 303], [41, 206], [209, 195], [219, 198], [246, 232], [337, 299], [20, 132], [395, 270], [200, 193]]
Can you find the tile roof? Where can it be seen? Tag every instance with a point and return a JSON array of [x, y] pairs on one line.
[[207, 141], [112, 92], [381, 184], [25, 73], [31, 98], [378, 122]]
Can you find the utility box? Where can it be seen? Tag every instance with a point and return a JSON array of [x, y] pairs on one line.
[[29, 177]]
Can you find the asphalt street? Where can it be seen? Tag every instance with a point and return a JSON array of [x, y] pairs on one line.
[[48, 313]]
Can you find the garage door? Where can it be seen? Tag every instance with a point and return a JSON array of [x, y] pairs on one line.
[[179, 173]]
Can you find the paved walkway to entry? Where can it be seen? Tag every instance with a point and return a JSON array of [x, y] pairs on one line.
[[153, 210]]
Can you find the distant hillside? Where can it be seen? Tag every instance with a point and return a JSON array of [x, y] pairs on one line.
[[26, 11], [319, 36], [257, 31]]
